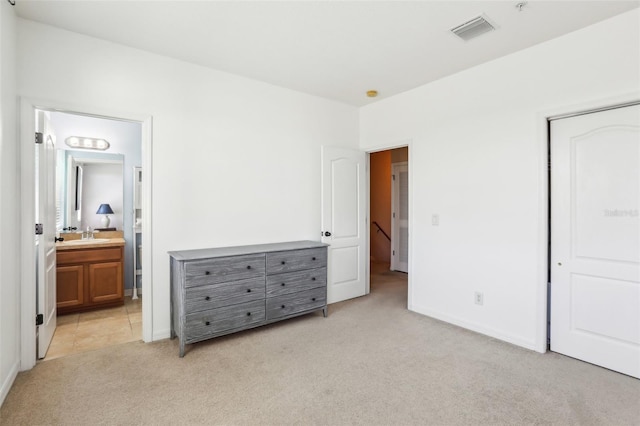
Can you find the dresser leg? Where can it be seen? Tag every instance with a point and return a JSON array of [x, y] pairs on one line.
[[181, 349], [324, 311]]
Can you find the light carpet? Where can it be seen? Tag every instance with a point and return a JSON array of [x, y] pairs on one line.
[[370, 362]]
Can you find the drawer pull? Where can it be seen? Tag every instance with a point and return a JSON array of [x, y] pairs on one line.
[[283, 262], [313, 258], [248, 266], [248, 290], [313, 278], [282, 306], [207, 298], [283, 284], [248, 314], [207, 323], [207, 273], [313, 299]]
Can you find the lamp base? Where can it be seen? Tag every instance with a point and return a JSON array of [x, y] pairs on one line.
[[105, 221]]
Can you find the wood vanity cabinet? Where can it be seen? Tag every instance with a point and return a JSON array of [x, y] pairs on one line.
[[89, 278], [224, 290]]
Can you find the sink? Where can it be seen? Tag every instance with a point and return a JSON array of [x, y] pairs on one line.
[[92, 241]]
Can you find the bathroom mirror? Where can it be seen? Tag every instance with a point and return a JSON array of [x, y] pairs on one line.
[[84, 181]]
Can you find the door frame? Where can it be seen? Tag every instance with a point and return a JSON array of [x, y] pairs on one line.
[[408, 143], [28, 289], [544, 204]]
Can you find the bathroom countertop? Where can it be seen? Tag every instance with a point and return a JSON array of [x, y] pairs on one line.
[[76, 244]]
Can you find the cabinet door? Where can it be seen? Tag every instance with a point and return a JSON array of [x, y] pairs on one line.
[[69, 286], [105, 282]]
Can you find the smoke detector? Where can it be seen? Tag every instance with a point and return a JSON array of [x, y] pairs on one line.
[[473, 28]]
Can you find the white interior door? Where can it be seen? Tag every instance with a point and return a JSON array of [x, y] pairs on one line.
[[46, 247], [344, 221], [595, 240], [400, 217]]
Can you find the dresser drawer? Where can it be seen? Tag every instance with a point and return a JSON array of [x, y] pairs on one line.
[[293, 303], [296, 260], [291, 282], [212, 271], [223, 294], [201, 324]]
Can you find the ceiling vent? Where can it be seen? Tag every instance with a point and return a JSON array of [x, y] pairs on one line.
[[473, 28]]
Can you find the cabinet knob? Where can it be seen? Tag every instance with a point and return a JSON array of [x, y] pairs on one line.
[[283, 284], [248, 314], [207, 298], [207, 323], [248, 290], [282, 306], [313, 258], [313, 278], [283, 262], [313, 299], [248, 266], [207, 273]]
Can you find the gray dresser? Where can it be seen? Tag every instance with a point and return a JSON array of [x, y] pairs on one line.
[[220, 291]]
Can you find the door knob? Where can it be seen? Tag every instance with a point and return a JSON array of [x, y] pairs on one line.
[[327, 234], [58, 239]]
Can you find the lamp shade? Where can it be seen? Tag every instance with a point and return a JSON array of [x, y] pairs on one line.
[[104, 209]]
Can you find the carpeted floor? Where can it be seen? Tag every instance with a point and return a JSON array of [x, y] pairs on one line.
[[370, 362]]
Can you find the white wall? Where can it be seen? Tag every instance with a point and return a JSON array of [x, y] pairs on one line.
[[477, 160], [219, 176], [9, 205]]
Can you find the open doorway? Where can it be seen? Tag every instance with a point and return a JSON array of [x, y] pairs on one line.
[[98, 232], [389, 229]]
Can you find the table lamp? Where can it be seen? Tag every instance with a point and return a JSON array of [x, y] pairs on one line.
[[106, 210]]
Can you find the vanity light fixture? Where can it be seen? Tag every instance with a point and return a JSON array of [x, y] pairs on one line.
[[87, 143], [106, 210]]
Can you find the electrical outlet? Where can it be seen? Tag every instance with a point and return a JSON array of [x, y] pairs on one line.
[[479, 298]]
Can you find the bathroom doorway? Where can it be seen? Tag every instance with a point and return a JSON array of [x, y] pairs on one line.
[[119, 321]]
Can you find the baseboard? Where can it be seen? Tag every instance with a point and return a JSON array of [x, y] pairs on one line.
[[478, 328], [8, 382], [128, 292], [161, 334]]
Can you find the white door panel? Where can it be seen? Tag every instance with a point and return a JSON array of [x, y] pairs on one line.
[[400, 217], [595, 243], [344, 221], [46, 248]]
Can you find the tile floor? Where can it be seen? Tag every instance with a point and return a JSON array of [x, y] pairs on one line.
[[97, 329]]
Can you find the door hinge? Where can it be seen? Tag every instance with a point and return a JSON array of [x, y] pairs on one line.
[[394, 215], [393, 177], [39, 229], [39, 137], [394, 252], [39, 319]]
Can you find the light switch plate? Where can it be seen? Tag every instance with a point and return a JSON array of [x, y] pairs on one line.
[[435, 219]]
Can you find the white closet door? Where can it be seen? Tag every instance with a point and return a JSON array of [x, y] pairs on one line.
[[595, 240]]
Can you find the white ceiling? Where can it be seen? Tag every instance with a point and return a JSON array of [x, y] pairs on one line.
[[334, 49]]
